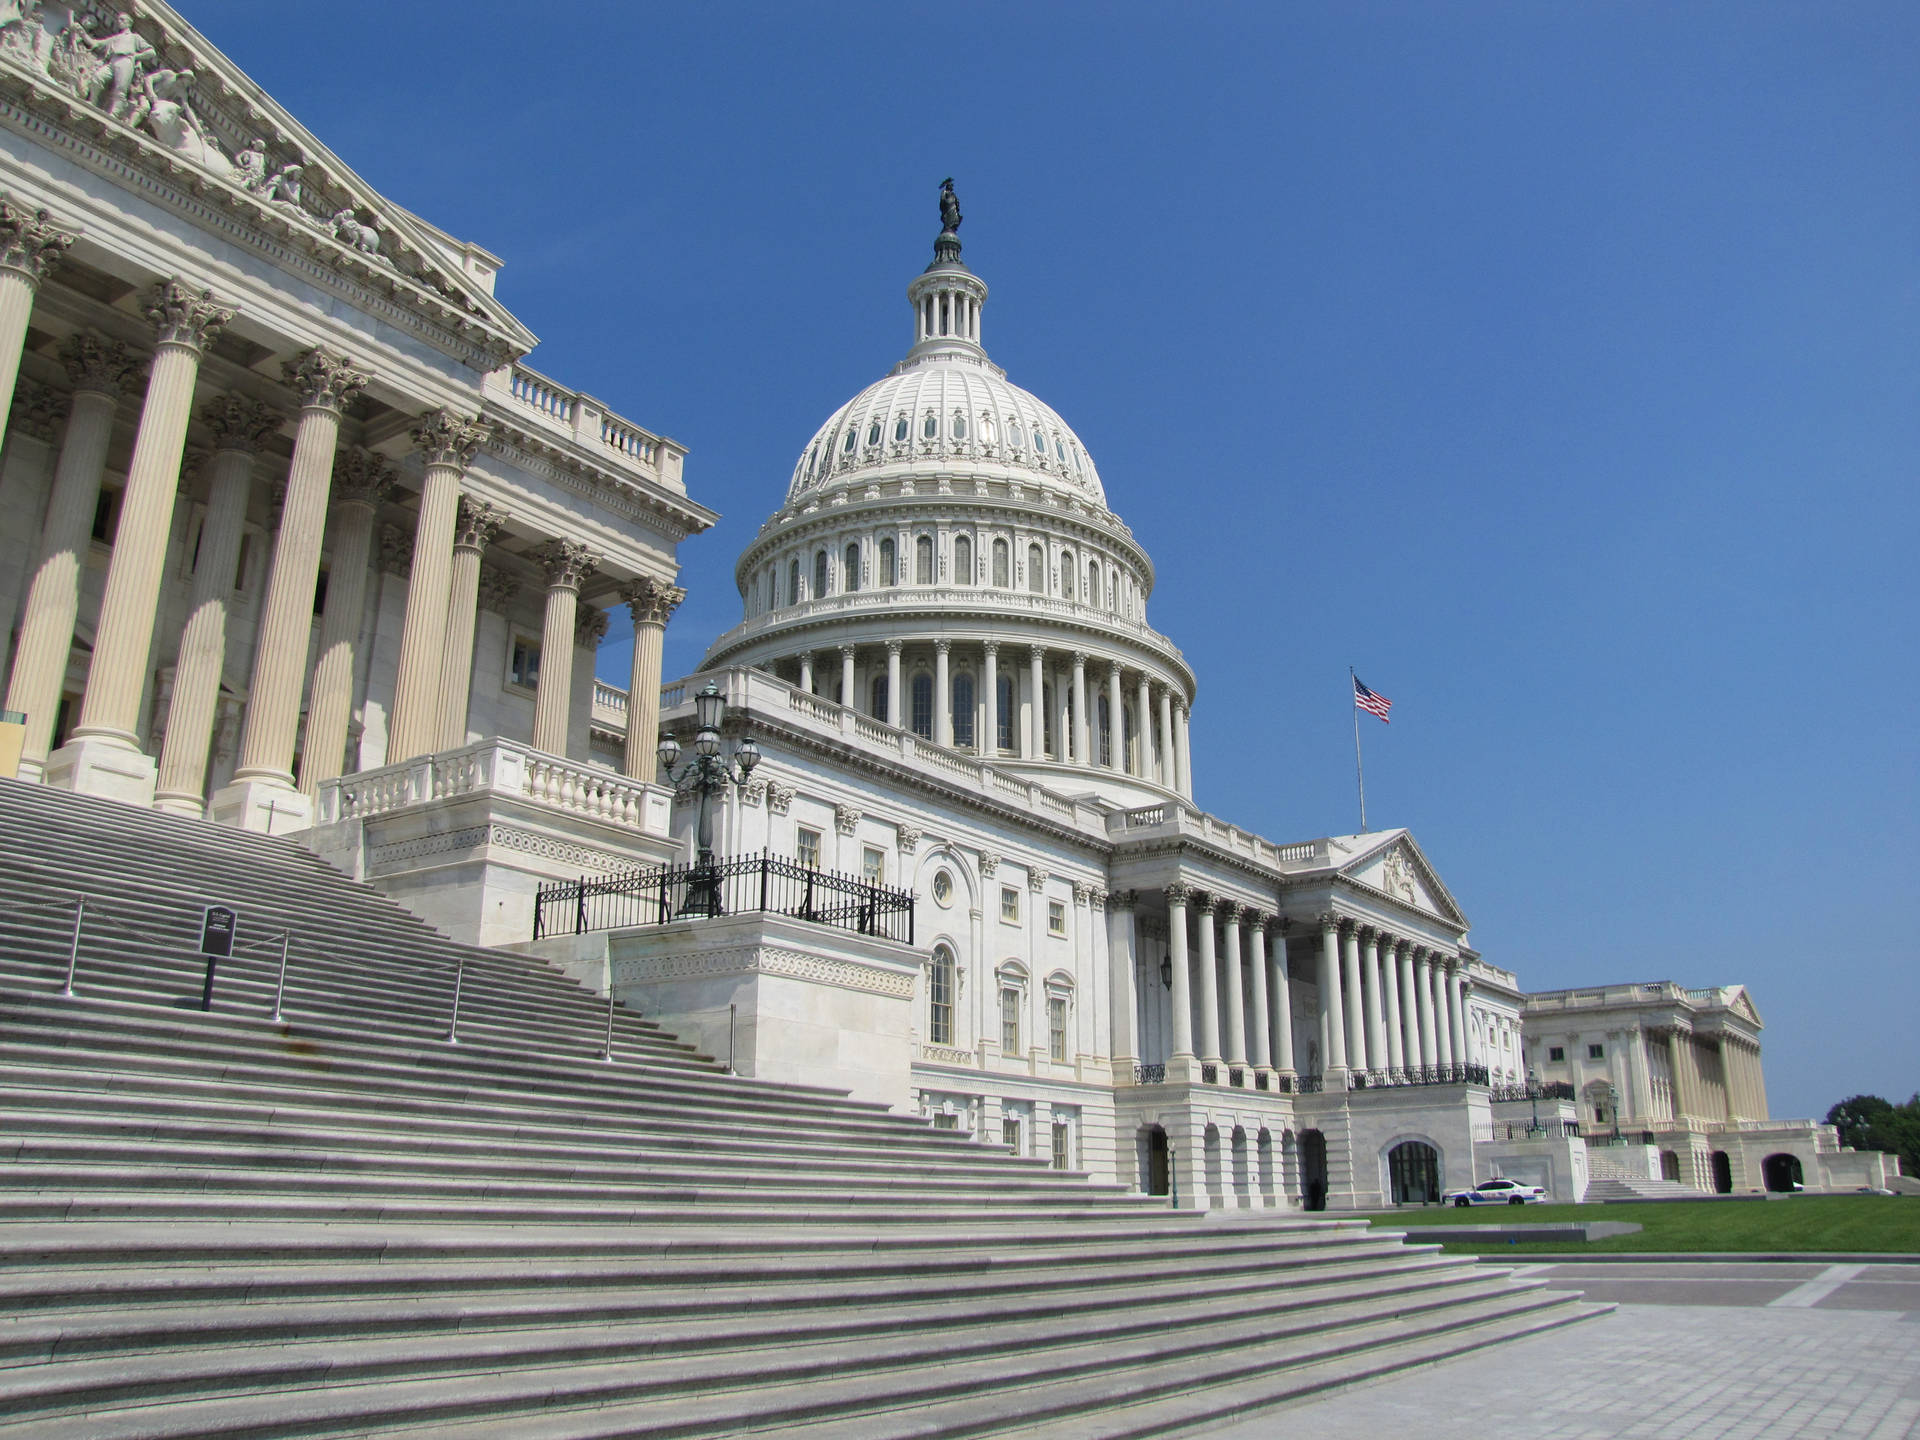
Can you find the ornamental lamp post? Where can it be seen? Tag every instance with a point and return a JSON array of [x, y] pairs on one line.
[[1533, 1096], [707, 771]]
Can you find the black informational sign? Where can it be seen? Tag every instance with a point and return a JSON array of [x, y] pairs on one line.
[[216, 931]]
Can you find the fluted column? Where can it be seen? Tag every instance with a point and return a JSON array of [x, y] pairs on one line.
[[30, 246], [1183, 750], [1231, 977], [1116, 722], [34, 420], [1463, 1018], [1144, 765], [1181, 999], [847, 657], [1082, 724], [1390, 954], [104, 756], [1169, 760], [1423, 999], [240, 427], [1357, 1055], [100, 370], [1372, 1007], [1259, 1010], [1410, 1007], [806, 671], [1442, 1022], [1203, 905], [1033, 735], [567, 563], [651, 602], [326, 385], [1333, 1014], [361, 481], [1123, 1002], [990, 742], [474, 527], [893, 683], [1454, 1046], [1282, 994], [942, 693], [447, 443]]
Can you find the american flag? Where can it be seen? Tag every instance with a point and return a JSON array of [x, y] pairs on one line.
[[1371, 703]]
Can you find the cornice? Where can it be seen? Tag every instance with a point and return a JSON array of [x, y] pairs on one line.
[[674, 516]]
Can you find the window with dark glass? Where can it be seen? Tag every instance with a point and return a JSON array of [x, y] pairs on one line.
[[852, 569], [889, 575], [1003, 708], [1000, 561], [879, 708], [1036, 570], [963, 709], [940, 997], [923, 560], [962, 560], [819, 574], [922, 717]]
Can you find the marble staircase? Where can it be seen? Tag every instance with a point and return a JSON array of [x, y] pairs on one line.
[[223, 1225]]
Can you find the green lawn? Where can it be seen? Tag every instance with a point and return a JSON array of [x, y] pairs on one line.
[[1880, 1223]]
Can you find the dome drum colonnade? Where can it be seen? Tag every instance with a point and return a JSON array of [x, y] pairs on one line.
[[331, 494]]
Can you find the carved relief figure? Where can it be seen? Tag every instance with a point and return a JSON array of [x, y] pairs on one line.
[[285, 186], [164, 107], [355, 232], [44, 25], [250, 165], [121, 55]]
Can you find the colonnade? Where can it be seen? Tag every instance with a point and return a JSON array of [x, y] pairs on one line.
[[332, 494], [1390, 1007], [1057, 698]]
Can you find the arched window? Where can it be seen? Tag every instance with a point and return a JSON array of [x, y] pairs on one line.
[[940, 997], [819, 573], [1013, 432], [1103, 744], [930, 427], [1093, 582], [923, 560], [922, 717], [1069, 576], [878, 709], [853, 438], [1036, 570], [959, 425], [900, 429], [852, 570], [889, 574], [1003, 707], [873, 433], [963, 710], [987, 433], [793, 582], [1000, 563], [962, 560], [1413, 1173]]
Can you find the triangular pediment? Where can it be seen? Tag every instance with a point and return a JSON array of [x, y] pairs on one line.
[[1396, 867], [1742, 1005], [224, 141]]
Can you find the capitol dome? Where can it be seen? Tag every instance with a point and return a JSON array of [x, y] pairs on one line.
[[945, 562]]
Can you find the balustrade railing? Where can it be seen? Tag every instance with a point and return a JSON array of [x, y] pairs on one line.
[[1309, 1084], [1150, 1074], [741, 884], [581, 416], [1417, 1075]]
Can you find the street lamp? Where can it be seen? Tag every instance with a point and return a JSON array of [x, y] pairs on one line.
[[707, 772], [1533, 1096]]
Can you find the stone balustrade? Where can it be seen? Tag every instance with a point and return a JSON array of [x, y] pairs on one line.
[[550, 407], [1184, 820]]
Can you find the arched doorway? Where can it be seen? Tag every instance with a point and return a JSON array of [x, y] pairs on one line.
[[1413, 1173], [1781, 1173], [1722, 1173], [1313, 1170], [1211, 1158], [1242, 1170], [1263, 1165], [1154, 1173], [1669, 1165]]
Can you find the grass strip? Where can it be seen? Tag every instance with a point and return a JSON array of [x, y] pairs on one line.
[[1879, 1224]]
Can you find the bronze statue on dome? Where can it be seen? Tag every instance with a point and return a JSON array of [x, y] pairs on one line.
[[949, 208]]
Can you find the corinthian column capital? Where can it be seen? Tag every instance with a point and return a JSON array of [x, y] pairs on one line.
[[444, 438], [651, 601], [361, 477], [30, 243], [590, 627], [182, 316], [239, 423], [477, 524], [38, 411], [567, 563], [104, 366], [323, 381]]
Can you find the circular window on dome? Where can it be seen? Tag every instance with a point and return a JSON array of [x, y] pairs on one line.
[[900, 428], [959, 426], [930, 427], [943, 888], [986, 429], [873, 433]]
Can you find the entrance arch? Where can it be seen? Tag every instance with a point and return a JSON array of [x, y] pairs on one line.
[[1669, 1165], [1313, 1170], [1722, 1173], [1413, 1173], [1781, 1173]]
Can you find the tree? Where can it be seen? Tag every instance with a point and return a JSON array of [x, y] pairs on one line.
[[1867, 1122], [1856, 1116]]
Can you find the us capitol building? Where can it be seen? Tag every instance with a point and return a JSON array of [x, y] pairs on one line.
[[293, 538]]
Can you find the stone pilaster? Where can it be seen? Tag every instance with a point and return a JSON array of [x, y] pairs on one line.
[[651, 603], [104, 756], [567, 563], [30, 246], [362, 482], [475, 526]]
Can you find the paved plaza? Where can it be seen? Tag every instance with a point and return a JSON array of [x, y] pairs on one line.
[[1722, 1351]]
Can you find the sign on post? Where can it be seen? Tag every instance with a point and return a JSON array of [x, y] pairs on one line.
[[217, 928]]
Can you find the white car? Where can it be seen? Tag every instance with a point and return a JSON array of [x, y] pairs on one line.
[[1496, 1192]]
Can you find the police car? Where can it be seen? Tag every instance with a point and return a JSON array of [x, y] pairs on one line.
[[1496, 1192]]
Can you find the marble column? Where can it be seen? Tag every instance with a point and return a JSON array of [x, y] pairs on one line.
[[447, 443], [475, 525], [1203, 905], [262, 790], [104, 756], [35, 420], [1390, 954], [894, 701], [806, 671], [567, 563], [1333, 1014], [1410, 1007], [1145, 765], [1442, 1020], [1169, 764], [942, 693], [30, 246], [1423, 1000], [1282, 993], [1260, 1013], [240, 428], [1357, 1056], [590, 626], [1034, 736], [1082, 723], [362, 481], [1235, 983], [1116, 722], [1123, 1002], [100, 370], [1183, 749], [1374, 1006], [1456, 1017], [990, 741], [651, 603], [1181, 1001], [847, 696]]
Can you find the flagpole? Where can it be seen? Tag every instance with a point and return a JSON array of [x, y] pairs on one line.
[[1359, 770]]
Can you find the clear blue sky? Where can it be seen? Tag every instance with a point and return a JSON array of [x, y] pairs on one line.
[[1553, 365]]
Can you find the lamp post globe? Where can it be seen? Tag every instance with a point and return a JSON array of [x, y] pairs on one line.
[[706, 771]]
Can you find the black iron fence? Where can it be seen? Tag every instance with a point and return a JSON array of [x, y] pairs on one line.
[[739, 885], [1551, 1090], [1420, 1075]]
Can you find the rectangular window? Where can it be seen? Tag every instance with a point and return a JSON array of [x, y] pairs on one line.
[[1010, 1021], [946, 1122], [1555, 1053], [806, 847], [873, 866], [1056, 917], [1596, 1052], [1056, 1027], [1062, 1147], [523, 666], [106, 516], [1010, 904], [1010, 1133]]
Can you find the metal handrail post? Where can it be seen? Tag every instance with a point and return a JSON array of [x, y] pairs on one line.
[[459, 979], [1173, 1177], [765, 865], [606, 1051], [730, 1014], [580, 908], [280, 989], [73, 949]]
